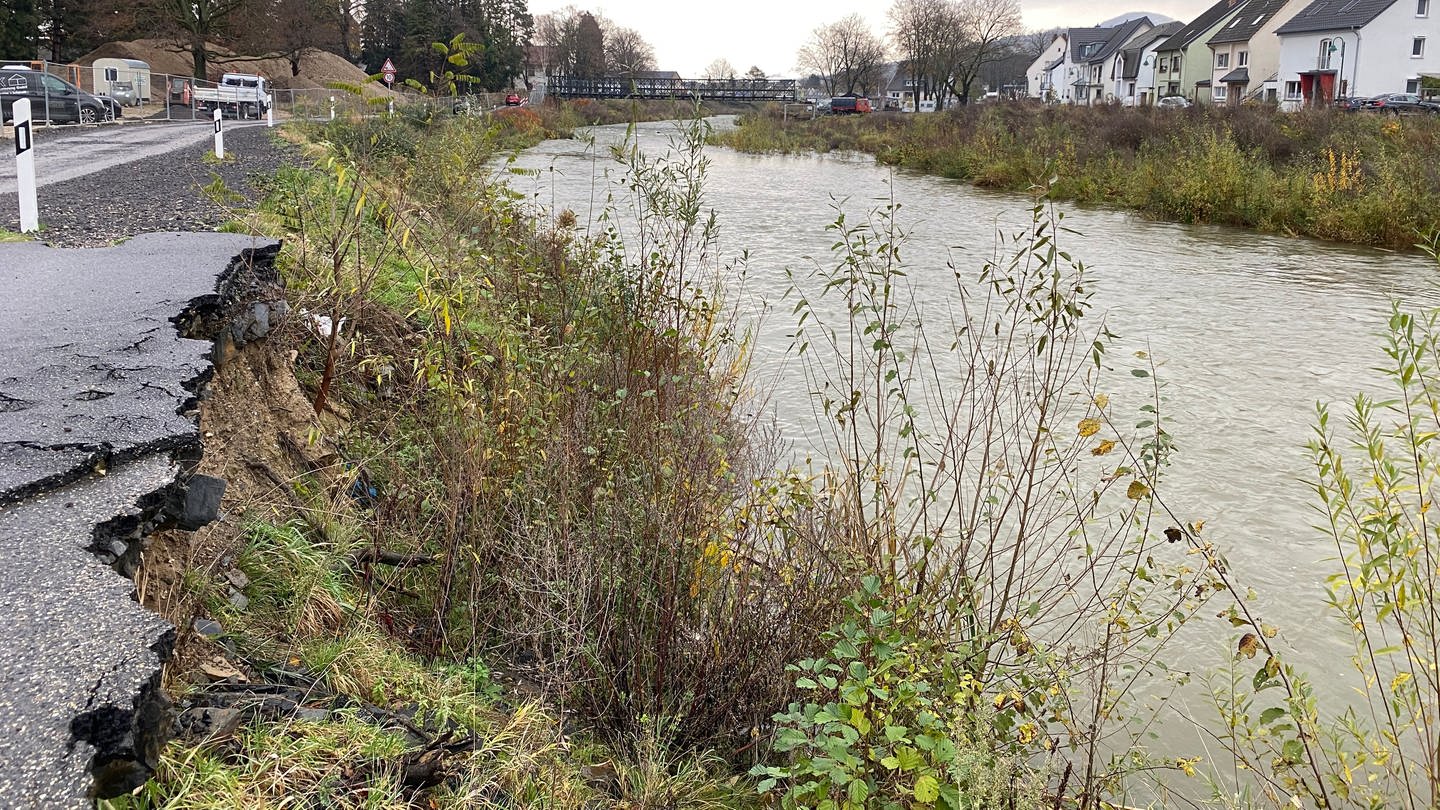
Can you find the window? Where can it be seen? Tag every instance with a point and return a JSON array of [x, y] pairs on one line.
[[112, 75], [1164, 65], [1292, 91], [1412, 85], [1222, 60], [1243, 59], [1422, 8], [1417, 47], [54, 86], [1218, 93]]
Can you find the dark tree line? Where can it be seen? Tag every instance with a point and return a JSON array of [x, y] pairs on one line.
[[402, 30]]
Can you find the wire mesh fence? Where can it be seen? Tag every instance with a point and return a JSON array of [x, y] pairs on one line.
[[113, 90], [123, 90]]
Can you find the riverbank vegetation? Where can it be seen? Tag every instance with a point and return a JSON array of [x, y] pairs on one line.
[[1359, 178], [512, 524]]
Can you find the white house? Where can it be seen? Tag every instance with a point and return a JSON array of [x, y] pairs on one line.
[[1341, 48], [1245, 53], [1047, 67], [1134, 84], [1080, 65]]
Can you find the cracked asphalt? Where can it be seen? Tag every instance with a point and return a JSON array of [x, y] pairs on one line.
[[96, 389]]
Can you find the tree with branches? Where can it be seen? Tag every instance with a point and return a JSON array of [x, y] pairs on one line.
[[847, 56], [982, 27], [720, 70], [627, 53]]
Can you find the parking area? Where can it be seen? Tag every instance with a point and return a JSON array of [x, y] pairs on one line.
[[65, 153]]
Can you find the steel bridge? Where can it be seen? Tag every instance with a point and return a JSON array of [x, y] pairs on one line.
[[664, 88]]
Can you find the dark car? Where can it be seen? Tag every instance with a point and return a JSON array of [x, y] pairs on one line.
[[1397, 103], [51, 98], [1351, 104]]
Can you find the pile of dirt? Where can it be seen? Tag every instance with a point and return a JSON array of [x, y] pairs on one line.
[[318, 69]]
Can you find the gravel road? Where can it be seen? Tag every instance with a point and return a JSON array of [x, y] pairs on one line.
[[158, 192]]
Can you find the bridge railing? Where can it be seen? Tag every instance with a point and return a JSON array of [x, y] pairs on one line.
[[661, 88]]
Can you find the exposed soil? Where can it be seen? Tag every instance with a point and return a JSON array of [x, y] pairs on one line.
[[317, 68]]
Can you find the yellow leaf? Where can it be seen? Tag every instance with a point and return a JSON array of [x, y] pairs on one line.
[[1136, 490], [1268, 631], [1249, 645], [1102, 401], [1103, 447], [1088, 427]]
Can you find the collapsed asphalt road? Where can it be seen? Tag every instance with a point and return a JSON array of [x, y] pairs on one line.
[[97, 393]]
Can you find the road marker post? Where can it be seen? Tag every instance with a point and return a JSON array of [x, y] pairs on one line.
[[219, 137], [269, 111], [332, 108], [25, 166]]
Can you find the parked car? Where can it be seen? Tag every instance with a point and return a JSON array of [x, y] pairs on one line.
[[822, 107], [513, 100], [1173, 103], [849, 105], [1397, 103], [51, 98], [123, 93], [1351, 104]]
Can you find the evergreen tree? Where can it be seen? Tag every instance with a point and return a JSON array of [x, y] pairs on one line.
[[20, 30]]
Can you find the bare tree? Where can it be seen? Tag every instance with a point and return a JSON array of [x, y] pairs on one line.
[[921, 31], [846, 54], [756, 74], [573, 40], [627, 53], [981, 27], [720, 69], [197, 24]]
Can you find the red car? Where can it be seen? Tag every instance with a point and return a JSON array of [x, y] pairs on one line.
[[513, 100]]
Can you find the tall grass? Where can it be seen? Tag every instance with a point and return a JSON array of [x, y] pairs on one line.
[[1250, 167], [961, 607]]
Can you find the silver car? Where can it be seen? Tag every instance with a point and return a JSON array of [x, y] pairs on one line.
[[124, 94]]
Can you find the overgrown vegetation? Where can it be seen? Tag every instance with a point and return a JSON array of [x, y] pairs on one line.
[[532, 456], [1367, 179]]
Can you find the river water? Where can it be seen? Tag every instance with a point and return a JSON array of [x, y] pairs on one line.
[[1250, 331]]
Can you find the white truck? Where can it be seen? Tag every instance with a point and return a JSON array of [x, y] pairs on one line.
[[238, 95]]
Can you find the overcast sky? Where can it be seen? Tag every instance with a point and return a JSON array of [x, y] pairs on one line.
[[689, 35]]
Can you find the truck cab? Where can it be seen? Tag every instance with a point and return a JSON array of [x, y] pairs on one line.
[[849, 105]]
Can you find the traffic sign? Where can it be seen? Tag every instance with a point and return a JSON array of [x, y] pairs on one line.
[[388, 71]]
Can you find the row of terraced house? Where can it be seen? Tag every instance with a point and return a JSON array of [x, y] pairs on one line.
[[1292, 53]]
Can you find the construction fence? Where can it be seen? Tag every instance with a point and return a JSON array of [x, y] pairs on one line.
[[128, 90]]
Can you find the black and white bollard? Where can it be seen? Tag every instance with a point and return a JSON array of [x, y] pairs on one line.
[[25, 166], [219, 137]]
